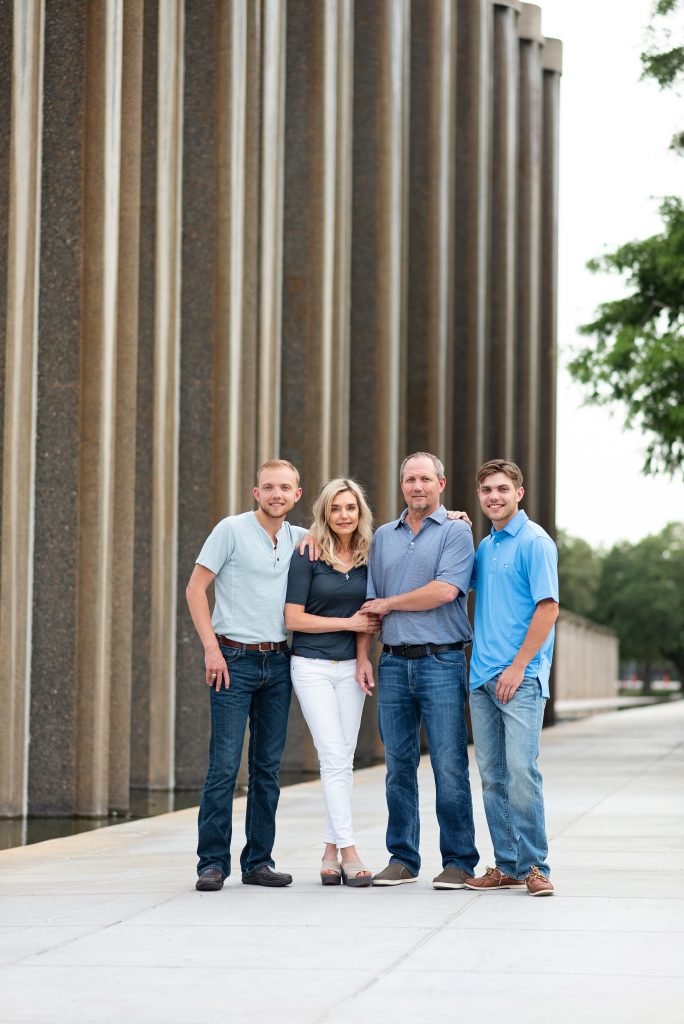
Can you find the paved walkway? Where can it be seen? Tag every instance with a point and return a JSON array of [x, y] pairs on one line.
[[106, 926]]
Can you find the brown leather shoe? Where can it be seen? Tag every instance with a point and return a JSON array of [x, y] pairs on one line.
[[211, 880], [492, 880], [538, 884]]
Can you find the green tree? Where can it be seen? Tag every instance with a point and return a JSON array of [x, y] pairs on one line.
[[641, 597], [638, 355], [579, 571], [663, 59], [637, 359]]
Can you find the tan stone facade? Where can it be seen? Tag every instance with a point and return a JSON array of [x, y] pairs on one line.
[[231, 230]]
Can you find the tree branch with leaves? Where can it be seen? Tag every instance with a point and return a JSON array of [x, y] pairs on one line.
[[637, 358]]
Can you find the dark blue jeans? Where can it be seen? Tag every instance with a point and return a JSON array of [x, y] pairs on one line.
[[260, 691], [433, 689]]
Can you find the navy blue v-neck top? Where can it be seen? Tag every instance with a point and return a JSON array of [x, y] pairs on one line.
[[325, 591]]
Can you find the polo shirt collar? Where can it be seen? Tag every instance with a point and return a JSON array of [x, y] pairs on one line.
[[439, 516], [515, 526]]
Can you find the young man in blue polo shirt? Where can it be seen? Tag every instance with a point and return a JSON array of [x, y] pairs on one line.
[[515, 579], [247, 666]]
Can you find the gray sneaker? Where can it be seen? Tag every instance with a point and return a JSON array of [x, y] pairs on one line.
[[394, 874], [451, 878]]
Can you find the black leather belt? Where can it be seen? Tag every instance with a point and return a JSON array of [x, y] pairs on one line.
[[264, 647], [421, 650]]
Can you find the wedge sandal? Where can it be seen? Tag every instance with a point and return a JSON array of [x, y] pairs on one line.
[[330, 866]]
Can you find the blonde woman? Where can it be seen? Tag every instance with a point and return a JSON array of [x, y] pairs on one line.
[[322, 608]]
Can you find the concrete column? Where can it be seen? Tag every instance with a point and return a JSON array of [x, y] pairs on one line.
[[377, 411], [552, 57], [552, 60], [470, 277], [162, 681], [101, 168], [527, 426], [52, 753], [500, 365], [317, 241], [142, 594], [16, 554], [123, 527], [236, 266], [6, 71], [430, 366], [202, 111], [379, 252], [316, 266], [271, 229]]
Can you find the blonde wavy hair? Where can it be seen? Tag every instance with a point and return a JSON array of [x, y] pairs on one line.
[[320, 528]]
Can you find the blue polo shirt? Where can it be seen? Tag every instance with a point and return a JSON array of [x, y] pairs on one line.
[[515, 568], [401, 561]]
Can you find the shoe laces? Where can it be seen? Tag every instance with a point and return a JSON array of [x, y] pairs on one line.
[[490, 871], [536, 873]]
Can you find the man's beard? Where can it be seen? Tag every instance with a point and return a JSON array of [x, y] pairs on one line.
[[273, 513]]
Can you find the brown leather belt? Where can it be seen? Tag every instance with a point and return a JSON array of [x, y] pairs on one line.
[[264, 647]]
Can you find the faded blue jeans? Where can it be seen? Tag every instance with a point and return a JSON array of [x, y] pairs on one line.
[[433, 689], [507, 747], [260, 691]]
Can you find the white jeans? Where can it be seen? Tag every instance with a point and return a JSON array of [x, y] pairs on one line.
[[331, 702]]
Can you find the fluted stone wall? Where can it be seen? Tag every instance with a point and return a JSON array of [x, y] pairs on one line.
[[232, 230], [586, 659]]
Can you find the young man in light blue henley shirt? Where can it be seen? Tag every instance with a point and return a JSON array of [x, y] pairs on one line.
[[515, 579], [247, 666]]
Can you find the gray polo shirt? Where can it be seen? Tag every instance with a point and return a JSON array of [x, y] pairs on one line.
[[251, 577], [401, 561]]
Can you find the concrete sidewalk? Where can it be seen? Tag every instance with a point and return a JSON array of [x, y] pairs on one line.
[[107, 927]]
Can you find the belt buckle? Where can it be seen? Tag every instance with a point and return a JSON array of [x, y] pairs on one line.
[[265, 646]]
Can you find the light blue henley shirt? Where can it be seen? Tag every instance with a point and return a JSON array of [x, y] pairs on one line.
[[251, 577]]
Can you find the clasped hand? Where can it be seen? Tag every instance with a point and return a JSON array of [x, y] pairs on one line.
[[364, 622]]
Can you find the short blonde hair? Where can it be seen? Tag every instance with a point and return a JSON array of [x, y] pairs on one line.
[[277, 464], [509, 469], [320, 527]]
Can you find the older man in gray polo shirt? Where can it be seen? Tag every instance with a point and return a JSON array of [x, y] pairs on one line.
[[418, 577]]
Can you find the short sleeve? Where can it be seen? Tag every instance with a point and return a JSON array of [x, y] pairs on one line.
[[218, 547], [457, 557], [473, 575], [299, 579], [371, 592], [542, 569]]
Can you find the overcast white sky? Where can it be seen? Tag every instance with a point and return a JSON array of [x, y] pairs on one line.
[[614, 164]]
